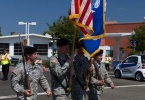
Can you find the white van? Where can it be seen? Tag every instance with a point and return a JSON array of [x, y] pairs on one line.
[[132, 67]]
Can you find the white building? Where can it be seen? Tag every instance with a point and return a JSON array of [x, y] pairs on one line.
[[44, 44], [12, 43]]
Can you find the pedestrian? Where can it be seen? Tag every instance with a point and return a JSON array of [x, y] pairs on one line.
[[81, 65], [107, 62], [36, 76], [96, 84], [5, 61], [60, 70]]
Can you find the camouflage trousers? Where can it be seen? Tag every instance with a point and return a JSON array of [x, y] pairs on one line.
[[92, 93], [62, 97], [27, 98], [77, 92]]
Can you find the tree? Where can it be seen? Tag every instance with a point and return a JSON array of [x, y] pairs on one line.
[[63, 28], [0, 32], [139, 38]]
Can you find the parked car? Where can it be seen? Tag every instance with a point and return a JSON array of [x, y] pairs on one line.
[[131, 67]]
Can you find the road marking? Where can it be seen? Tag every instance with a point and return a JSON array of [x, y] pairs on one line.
[[14, 96], [43, 93], [127, 86]]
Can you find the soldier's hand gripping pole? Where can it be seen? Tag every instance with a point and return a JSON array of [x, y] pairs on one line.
[[90, 68], [72, 66], [93, 62], [26, 70]]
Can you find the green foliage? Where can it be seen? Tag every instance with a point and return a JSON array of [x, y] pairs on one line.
[[46, 32], [139, 37], [1, 34], [133, 53], [63, 28]]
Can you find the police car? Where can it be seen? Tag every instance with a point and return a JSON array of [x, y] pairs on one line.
[[132, 67]]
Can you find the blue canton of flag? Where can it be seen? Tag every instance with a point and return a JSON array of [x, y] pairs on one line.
[[91, 44]]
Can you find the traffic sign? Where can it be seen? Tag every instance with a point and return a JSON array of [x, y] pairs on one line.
[[25, 41]]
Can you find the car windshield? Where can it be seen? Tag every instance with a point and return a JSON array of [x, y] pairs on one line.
[[143, 58]]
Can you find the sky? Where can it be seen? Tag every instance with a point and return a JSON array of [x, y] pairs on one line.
[[48, 11]]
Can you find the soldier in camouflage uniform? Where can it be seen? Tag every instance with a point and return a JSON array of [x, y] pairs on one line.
[[96, 85], [18, 83], [81, 65], [59, 68]]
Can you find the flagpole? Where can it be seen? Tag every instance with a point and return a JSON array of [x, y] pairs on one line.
[[72, 53], [104, 11]]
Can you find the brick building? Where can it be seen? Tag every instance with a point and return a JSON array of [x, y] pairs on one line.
[[113, 29]]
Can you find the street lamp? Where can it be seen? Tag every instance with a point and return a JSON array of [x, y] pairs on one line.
[[24, 23], [32, 23], [27, 29]]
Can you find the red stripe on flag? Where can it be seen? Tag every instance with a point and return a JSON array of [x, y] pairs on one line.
[[83, 30], [81, 15], [89, 20], [76, 2], [84, 11]]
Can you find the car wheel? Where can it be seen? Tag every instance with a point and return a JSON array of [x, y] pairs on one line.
[[139, 76], [117, 74]]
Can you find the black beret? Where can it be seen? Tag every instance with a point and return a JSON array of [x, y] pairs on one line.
[[62, 42], [98, 53], [30, 50]]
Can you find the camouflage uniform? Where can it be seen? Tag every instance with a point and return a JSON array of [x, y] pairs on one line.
[[61, 71], [81, 65], [35, 75], [95, 89]]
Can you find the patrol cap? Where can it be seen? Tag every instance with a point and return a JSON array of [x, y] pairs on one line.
[[30, 50], [62, 42], [98, 53]]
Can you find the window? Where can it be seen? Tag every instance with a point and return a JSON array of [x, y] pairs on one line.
[[42, 49], [143, 58], [131, 60], [110, 53], [17, 49], [4, 45], [50, 44]]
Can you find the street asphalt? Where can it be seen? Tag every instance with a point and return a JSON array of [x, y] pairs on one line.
[[126, 89]]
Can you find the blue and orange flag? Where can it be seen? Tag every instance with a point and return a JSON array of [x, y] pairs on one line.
[[91, 38]]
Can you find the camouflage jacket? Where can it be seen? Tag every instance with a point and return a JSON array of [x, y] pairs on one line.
[[81, 66], [104, 74], [35, 76], [60, 69]]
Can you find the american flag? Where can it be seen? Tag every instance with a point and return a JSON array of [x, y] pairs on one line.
[[81, 16]]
